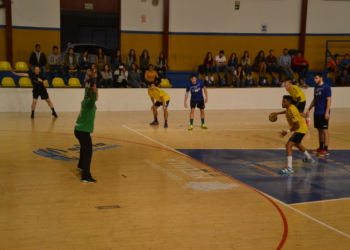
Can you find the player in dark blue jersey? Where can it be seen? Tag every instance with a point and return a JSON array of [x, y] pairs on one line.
[[195, 86], [322, 103]]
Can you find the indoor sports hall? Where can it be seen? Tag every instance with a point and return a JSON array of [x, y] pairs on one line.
[[173, 188]]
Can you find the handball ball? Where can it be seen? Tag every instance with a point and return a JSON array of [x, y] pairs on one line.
[[272, 117]]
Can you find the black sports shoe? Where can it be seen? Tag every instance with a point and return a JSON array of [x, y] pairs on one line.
[[54, 114], [32, 116], [89, 180]]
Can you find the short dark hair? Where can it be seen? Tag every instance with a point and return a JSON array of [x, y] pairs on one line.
[[289, 79], [299, 52], [221, 51], [70, 49], [271, 50], [319, 74], [346, 55], [54, 47], [336, 55], [285, 49], [37, 45], [288, 98], [36, 66], [193, 75]]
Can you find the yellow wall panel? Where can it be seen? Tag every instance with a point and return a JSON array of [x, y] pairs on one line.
[[3, 44]]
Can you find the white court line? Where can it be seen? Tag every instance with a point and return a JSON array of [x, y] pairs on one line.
[[311, 202], [290, 207]]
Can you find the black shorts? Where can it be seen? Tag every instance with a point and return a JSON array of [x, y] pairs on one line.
[[296, 137], [198, 104], [320, 122], [301, 106], [42, 93], [157, 104]]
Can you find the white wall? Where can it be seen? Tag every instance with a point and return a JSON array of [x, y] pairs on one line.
[[328, 17], [2, 17], [68, 100], [132, 10]]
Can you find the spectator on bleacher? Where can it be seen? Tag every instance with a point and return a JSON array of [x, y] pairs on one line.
[[245, 62], [122, 76], [38, 58], [55, 62], [134, 79], [221, 64], [70, 62], [345, 63], [131, 58], [84, 61], [116, 60], [284, 65], [144, 61], [271, 63], [232, 64], [333, 65], [209, 65], [151, 76], [101, 59], [239, 76], [91, 75], [107, 76], [260, 64], [161, 64], [300, 65]]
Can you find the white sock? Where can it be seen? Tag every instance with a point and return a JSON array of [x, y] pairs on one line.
[[206, 78], [307, 155], [289, 161]]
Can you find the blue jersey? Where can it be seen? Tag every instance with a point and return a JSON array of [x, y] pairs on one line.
[[320, 96], [196, 90]]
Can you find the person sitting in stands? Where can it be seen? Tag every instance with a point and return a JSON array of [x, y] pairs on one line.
[[209, 65], [345, 63], [144, 61], [84, 61], [101, 59], [70, 62], [55, 62], [151, 76], [116, 60], [131, 58], [91, 75], [160, 64], [232, 64], [221, 64], [284, 65], [300, 65], [271, 63], [245, 62], [122, 76], [333, 65], [107, 77], [260, 64], [134, 79], [38, 59], [239, 76]]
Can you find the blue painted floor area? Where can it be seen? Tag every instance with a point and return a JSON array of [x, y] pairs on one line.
[[327, 178]]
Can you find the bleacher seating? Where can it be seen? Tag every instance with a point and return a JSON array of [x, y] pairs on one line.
[[58, 82], [8, 82], [25, 82], [21, 66], [5, 66], [74, 82]]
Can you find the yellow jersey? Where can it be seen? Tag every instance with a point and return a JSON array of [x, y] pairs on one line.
[[157, 93], [292, 116], [296, 92]]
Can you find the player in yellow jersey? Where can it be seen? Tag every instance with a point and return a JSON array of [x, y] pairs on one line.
[[298, 126], [161, 98]]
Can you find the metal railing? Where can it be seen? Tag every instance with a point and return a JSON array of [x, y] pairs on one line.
[[329, 54]]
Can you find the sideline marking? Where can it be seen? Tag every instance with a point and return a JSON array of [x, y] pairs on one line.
[[263, 169], [311, 202]]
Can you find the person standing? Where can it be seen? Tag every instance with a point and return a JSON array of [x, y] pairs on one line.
[[298, 126], [38, 80], [55, 62], [38, 58], [197, 100], [83, 127], [322, 103], [162, 99]]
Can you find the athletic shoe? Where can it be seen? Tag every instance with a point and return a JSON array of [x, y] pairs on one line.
[[165, 125], [54, 114], [323, 153], [306, 160], [307, 122], [190, 127], [204, 126], [89, 181], [32, 116], [154, 123], [286, 170], [316, 151], [79, 169]]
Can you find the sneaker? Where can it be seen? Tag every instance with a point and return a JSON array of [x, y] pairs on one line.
[[316, 151], [307, 122], [323, 153], [54, 114], [79, 169], [286, 170], [32, 116], [190, 127], [89, 181], [306, 160], [154, 123], [165, 125], [204, 126]]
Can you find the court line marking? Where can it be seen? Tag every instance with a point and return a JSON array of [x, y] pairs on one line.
[[311, 202], [263, 169], [288, 206]]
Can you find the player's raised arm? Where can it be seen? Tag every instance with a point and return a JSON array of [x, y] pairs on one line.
[[20, 74]]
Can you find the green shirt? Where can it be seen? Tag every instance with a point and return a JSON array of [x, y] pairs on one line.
[[85, 121]]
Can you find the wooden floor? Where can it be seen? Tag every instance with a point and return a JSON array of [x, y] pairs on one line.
[[166, 199]]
